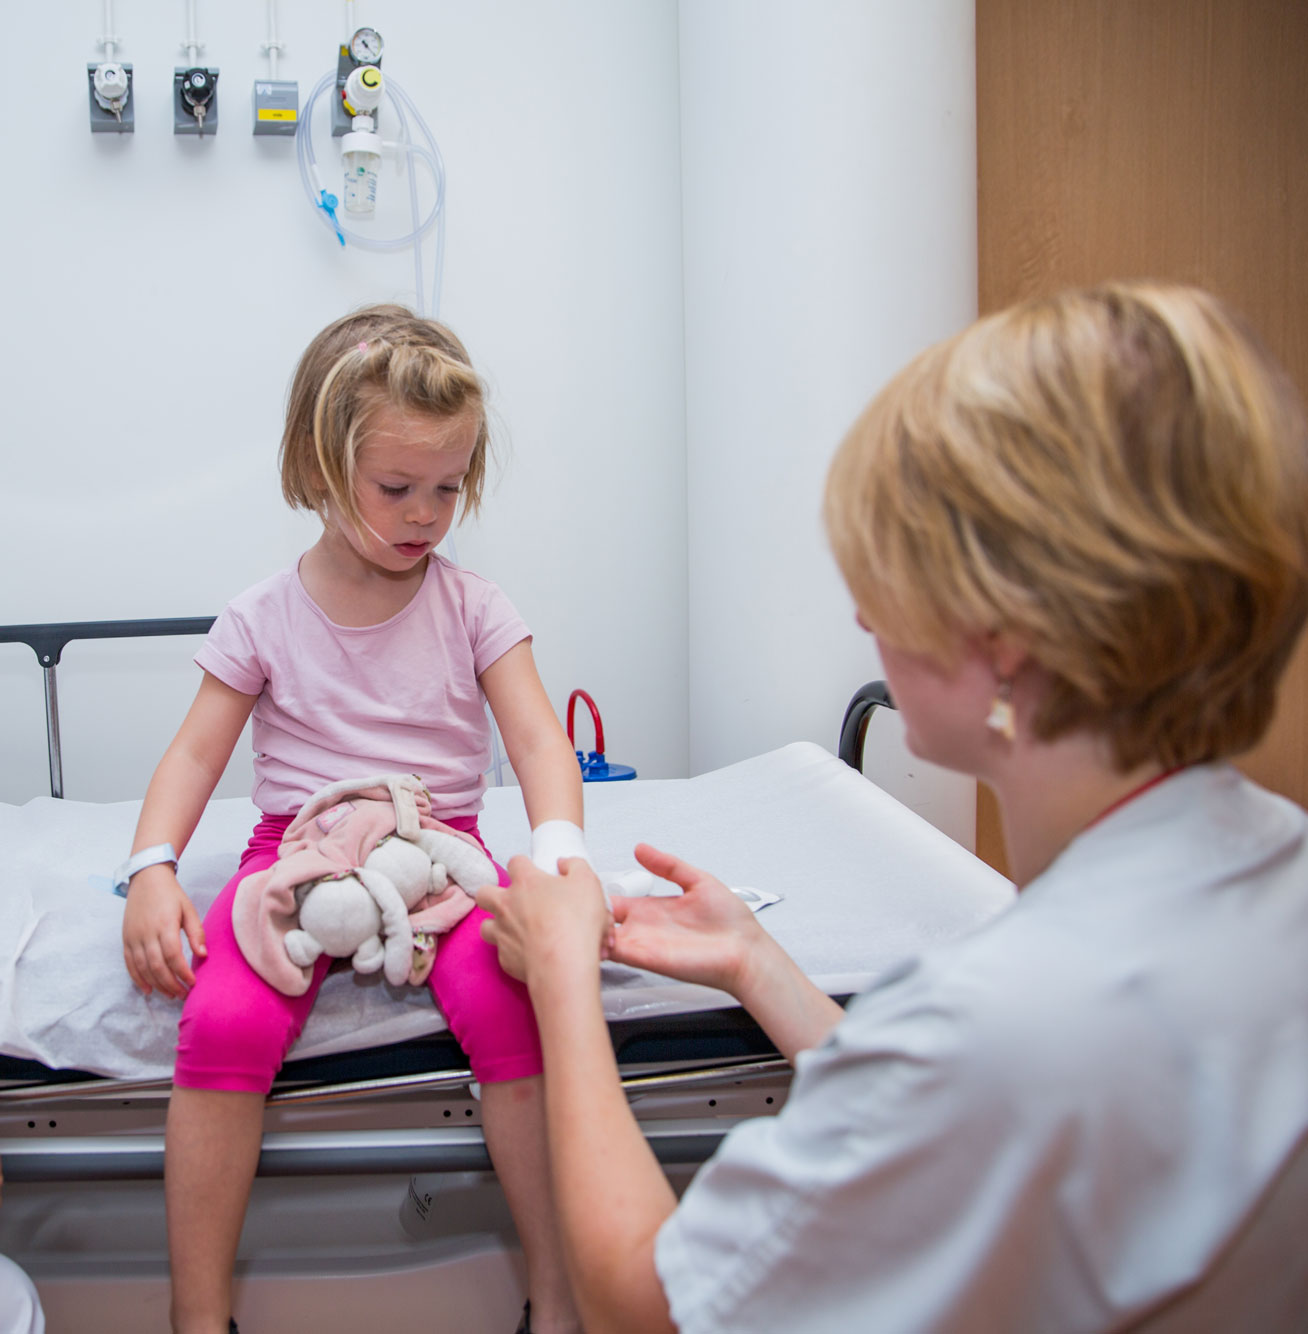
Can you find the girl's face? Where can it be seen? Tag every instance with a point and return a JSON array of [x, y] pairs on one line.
[[408, 478]]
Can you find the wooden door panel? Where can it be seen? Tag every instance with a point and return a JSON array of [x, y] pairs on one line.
[[1152, 138]]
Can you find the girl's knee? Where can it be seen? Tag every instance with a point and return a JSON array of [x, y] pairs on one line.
[[229, 1046], [496, 1027]]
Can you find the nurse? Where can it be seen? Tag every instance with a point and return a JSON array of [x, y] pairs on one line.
[[1079, 534]]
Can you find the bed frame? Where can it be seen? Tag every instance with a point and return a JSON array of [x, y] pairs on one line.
[[374, 1117]]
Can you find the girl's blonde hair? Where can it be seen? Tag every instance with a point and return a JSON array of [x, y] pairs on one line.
[[380, 356], [1116, 476]]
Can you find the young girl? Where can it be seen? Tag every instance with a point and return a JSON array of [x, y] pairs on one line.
[[372, 654]]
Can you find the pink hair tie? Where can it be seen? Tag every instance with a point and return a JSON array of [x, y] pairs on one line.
[[363, 347]]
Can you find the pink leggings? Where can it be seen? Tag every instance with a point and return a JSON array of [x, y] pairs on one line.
[[236, 1029]]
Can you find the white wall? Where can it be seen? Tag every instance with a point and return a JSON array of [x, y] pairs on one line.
[[828, 177], [159, 289]]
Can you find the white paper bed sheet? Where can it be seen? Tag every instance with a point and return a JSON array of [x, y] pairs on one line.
[[865, 883]]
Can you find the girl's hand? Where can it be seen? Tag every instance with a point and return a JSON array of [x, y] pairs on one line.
[[541, 922], [705, 934], [158, 913]]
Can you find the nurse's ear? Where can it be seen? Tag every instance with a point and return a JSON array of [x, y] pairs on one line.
[[1006, 651]]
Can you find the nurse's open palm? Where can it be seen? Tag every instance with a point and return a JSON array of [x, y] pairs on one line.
[[702, 935]]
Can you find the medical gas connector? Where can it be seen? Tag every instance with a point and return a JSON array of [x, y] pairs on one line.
[[110, 84], [195, 100], [111, 91]]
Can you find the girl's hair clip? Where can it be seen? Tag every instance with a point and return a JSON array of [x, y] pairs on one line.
[[363, 347]]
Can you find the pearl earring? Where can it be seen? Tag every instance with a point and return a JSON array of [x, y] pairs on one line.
[[1001, 719]]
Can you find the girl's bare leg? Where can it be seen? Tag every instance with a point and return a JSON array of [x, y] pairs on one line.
[[210, 1155], [513, 1119]]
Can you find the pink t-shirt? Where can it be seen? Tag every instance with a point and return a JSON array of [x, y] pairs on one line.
[[342, 702]]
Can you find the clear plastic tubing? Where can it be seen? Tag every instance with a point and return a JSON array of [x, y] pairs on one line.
[[430, 156]]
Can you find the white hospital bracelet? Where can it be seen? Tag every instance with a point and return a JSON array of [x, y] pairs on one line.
[[553, 839], [138, 861]]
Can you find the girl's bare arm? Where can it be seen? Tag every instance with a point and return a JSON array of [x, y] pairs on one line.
[[536, 744], [158, 910]]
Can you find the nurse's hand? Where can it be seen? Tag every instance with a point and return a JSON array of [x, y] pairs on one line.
[[705, 934], [543, 922]]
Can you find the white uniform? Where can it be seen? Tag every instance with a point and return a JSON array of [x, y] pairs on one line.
[[20, 1307], [1056, 1124]]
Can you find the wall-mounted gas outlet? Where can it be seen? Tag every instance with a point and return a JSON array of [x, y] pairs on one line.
[[112, 104], [195, 100]]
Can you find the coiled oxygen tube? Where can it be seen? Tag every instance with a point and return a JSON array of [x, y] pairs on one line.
[[324, 200]]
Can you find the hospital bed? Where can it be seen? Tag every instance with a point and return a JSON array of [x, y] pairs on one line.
[[374, 1190]]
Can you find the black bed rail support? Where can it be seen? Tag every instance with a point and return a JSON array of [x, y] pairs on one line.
[[48, 641], [853, 729]]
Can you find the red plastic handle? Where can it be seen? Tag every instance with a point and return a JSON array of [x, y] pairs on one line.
[[595, 717]]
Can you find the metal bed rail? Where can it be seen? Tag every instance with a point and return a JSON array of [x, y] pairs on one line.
[[158, 1090], [442, 1149], [48, 642], [140, 1156], [864, 702]]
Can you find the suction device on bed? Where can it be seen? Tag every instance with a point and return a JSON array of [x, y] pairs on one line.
[[594, 767]]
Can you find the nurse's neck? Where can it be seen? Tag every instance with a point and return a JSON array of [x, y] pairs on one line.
[[1051, 791]]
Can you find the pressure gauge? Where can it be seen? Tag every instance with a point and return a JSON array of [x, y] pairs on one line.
[[366, 46]]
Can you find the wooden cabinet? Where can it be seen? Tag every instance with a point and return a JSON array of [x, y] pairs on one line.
[[1160, 139]]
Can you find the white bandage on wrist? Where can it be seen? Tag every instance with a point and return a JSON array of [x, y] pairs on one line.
[[553, 839]]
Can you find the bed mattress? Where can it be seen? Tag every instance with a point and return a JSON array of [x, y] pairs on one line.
[[862, 883]]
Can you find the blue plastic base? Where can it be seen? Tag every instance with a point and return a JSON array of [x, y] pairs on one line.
[[596, 769]]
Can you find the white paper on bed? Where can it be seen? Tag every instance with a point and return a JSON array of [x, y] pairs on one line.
[[865, 882]]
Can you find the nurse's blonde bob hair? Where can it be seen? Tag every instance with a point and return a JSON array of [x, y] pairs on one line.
[[379, 356], [1115, 477]]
